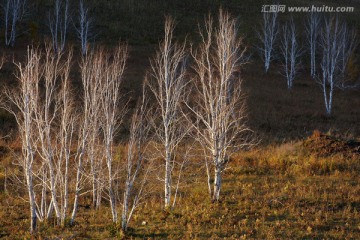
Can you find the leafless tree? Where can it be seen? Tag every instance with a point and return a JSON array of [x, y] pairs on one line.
[[101, 73], [135, 169], [112, 114], [45, 111], [290, 51], [44, 105], [95, 64], [66, 136], [267, 36], [167, 83], [331, 42], [92, 72], [84, 28], [219, 107], [58, 24], [53, 120], [349, 43], [312, 28], [20, 103], [13, 12]]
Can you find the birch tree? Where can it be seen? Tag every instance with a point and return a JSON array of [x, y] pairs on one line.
[[45, 110], [65, 137], [312, 28], [53, 120], [219, 107], [331, 41], [92, 70], [20, 103], [348, 45], [290, 51], [267, 36], [13, 11], [95, 71], [84, 27], [136, 172], [112, 113], [167, 83], [58, 22]]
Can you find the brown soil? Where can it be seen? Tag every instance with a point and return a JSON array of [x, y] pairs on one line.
[[322, 145]]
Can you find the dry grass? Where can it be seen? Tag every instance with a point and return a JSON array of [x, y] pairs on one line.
[[284, 191]]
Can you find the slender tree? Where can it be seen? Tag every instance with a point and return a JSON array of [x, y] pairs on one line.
[[58, 22], [331, 42], [136, 169], [92, 72], [13, 12], [312, 28], [167, 83], [65, 137], [219, 107], [20, 103], [112, 114], [267, 36], [349, 43], [84, 29], [290, 51]]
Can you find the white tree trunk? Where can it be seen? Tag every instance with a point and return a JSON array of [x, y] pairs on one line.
[[217, 184], [168, 170], [77, 186], [30, 188]]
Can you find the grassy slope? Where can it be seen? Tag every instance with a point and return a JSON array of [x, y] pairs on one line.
[[290, 191]]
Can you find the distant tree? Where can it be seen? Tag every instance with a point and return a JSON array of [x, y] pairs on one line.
[[332, 41], [58, 22], [219, 107], [267, 36], [349, 44], [84, 28], [13, 11], [290, 52], [312, 28]]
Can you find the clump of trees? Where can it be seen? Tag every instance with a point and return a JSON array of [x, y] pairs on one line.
[[329, 39], [69, 151]]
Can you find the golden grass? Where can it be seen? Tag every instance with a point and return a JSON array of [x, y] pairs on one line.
[[281, 191]]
